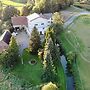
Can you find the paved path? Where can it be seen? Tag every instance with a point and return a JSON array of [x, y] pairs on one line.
[[22, 41], [72, 18]]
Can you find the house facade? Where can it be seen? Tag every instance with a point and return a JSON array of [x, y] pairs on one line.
[[40, 21]]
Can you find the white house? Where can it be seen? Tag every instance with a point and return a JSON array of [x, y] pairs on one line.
[[41, 21]]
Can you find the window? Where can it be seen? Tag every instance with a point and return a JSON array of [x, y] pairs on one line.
[[42, 23], [41, 33], [48, 21], [36, 24]]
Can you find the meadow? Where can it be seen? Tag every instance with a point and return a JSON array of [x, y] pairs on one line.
[[76, 38]]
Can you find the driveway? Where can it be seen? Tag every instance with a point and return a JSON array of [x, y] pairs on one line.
[[22, 40]]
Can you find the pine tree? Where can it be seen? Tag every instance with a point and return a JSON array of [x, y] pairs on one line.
[[49, 68], [13, 51], [10, 57], [35, 42], [50, 33]]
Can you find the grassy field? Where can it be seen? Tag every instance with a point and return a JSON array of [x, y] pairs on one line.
[[77, 38]]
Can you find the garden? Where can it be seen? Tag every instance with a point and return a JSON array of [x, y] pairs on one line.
[[37, 65]]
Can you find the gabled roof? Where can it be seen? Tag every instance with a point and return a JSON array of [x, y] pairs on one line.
[[22, 20], [35, 16], [6, 37], [47, 15], [19, 20]]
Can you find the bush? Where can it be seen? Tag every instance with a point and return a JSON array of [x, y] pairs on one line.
[[50, 86]]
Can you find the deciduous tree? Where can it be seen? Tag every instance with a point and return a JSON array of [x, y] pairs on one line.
[[50, 86], [9, 12], [57, 22], [57, 18], [25, 11]]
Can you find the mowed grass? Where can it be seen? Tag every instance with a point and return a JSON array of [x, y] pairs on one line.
[[32, 73], [28, 72], [77, 38]]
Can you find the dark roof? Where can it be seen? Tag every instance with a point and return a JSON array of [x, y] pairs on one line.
[[6, 37], [46, 16], [19, 20]]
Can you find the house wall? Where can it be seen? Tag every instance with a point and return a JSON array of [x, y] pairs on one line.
[[17, 26], [26, 28], [3, 46], [40, 23]]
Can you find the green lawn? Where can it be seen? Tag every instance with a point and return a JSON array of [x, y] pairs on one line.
[[77, 38], [32, 73], [27, 71]]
